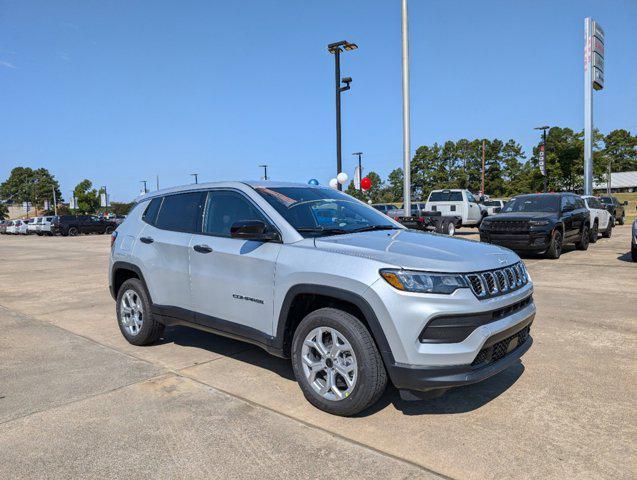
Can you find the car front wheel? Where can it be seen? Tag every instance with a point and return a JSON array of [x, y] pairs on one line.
[[555, 247], [336, 362]]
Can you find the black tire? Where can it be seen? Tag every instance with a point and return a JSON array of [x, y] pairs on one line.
[[555, 248], [584, 239], [621, 220], [108, 230], [151, 330], [594, 233], [609, 229], [72, 232], [450, 228], [633, 253], [371, 377]]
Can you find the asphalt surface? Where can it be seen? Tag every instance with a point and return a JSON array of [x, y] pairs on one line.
[[76, 400]]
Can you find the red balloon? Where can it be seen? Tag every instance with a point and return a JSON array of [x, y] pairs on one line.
[[366, 183]]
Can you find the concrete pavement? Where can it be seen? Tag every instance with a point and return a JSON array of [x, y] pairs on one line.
[[104, 408]]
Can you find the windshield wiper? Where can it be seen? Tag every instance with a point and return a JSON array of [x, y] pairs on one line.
[[371, 228]]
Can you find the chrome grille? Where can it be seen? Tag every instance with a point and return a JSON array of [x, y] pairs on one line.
[[497, 282]]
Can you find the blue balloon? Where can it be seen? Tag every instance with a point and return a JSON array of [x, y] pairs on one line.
[[314, 181]]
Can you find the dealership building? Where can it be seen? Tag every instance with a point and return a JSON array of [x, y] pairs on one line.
[[619, 182]]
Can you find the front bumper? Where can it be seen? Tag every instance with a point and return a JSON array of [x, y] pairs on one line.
[[529, 241], [506, 343]]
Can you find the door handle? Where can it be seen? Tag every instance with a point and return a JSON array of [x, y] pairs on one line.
[[146, 240], [202, 248]]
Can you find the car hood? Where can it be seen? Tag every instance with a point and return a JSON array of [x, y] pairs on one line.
[[417, 250], [522, 216]]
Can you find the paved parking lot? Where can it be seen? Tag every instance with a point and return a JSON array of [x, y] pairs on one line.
[[77, 401]]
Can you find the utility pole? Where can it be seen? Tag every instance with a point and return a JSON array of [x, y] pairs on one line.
[[406, 139], [55, 202], [335, 49], [483, 155], [265, 171], [145, 189], [196, 175], [360, 170], [157, 179]]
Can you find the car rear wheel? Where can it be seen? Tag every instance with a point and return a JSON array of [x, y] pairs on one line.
[[584, 239], [73, 232], [336, 362], [108, 230], [621, 220], [134, 316], [594, 233], [555, 248]]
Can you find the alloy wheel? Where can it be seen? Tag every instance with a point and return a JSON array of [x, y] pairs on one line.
[[131, 312], [329, 363]]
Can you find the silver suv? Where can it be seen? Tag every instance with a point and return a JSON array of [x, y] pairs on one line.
[[311, 274]]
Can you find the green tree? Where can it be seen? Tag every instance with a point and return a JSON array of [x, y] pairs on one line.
[[27, 185], [120, 208], [4, 212], [88, 200], [620, 151]]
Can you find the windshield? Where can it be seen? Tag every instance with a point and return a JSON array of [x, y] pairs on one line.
[[321, 211], [607, 200], [491, 203], [535, 203]]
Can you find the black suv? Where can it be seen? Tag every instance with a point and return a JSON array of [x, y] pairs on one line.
[[539, 223], [72, 225], [615, 207]]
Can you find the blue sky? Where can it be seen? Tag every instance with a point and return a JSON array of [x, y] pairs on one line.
[[119, 91]]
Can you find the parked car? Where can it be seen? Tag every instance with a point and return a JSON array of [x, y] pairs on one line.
[[4, 225], [460, 203], [633, 242], [71, 225], [386, 208], [45, 227], [349, 298], [32, 225], [493, 205], [600, 218], [17, 227], [615, 207], [540, 223]]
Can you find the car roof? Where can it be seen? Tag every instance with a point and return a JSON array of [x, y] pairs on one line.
[[229, 184]]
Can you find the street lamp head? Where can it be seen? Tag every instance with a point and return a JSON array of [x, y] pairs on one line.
[[357, 153], [336, 47], [346, 80], [545, 127]]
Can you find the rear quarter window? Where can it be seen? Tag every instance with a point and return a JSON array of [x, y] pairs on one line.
[[150, 214]]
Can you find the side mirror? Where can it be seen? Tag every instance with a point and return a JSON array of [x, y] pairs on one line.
[[497, 210], [253, 230], [568, 208], [625, 202]]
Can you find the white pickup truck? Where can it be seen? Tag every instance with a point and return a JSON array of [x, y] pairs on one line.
[[457, 203]]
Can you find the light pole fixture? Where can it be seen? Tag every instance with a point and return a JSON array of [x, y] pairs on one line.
[[336, 49], [542, 161], [265, 171], [360, 170], [196, 175], [145, 188]]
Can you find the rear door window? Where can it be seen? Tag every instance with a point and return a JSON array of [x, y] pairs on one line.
[[181, 212]]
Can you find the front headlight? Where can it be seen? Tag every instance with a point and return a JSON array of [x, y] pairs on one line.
[[421, 282], [538, 223]]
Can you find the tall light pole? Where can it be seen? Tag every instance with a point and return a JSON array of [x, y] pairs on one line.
[[145, 188], [196, 175], [360, 170], [484, 148], [593, 79], [406, 139], [157, 181], [542, 162], [265, 171], [336, 49]]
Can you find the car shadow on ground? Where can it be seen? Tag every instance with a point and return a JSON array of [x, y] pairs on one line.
[[456, 400], [626, 257]]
